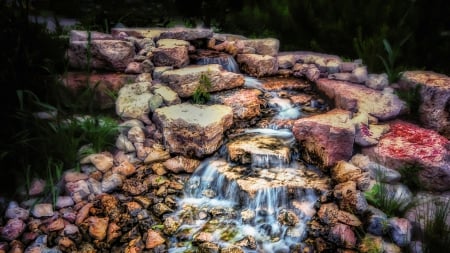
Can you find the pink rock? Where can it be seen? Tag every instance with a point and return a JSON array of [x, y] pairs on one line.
[[42, 210], [37, 187], [16, 212], [343, 235], [258, 65], [407, 143], [244, 102], [326, 138], [181, 164], [72, 176], [358, 98], [434, 95], [13, 229]]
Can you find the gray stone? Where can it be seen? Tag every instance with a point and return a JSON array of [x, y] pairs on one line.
[[400, 231], [14, 211], [377, 81], [133, 101]]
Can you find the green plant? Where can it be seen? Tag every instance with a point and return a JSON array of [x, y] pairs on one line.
[[412, 98], [436, 229], [389, 63], [201, 94], [381, 197], [54, 173]]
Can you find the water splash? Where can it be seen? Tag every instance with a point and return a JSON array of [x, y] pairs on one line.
[[226, 61]]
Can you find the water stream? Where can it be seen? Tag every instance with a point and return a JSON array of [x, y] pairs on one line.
[[254, 193]]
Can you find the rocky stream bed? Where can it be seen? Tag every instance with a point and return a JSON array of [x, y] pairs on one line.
[[278, 160]]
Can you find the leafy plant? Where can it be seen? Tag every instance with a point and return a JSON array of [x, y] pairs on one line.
[[201, 94]]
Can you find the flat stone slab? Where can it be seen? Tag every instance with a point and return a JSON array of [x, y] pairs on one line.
[[294, 178], [383, 105], [407, 144], [185, 81], [193, 130], [179, 33], [434, 109]]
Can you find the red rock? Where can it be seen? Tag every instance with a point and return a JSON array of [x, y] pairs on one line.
[[407, 143], [434, 109], [244, 102], [358, 98], [326, 138], [343, 235], [154, 239]]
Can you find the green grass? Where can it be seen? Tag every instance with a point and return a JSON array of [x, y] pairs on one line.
[[201, 94], [410, 176], [380, 197], [436, 231]]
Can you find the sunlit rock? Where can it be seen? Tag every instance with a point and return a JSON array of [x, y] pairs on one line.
[[245, 103], [171, 52], [104, 54], [310, 71], [98, 227], [324, 62], [286, 61], [358, 98], [267, 46], [133, 101], [326, 138], [434, 98], [258, 65], [181, 164], [408, 144], [169, 96], [186, 80], [180, 33], [193, 129]]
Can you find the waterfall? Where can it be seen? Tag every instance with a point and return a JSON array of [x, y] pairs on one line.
[[227, 61]]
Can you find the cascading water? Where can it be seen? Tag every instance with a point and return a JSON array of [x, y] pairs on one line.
[[254, 193], [205, 57]]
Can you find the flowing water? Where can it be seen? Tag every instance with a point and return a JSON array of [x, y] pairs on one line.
[[254, 193]]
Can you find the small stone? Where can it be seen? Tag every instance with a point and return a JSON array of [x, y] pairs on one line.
[[56, 225], [37, 187], [157, 154], [153, 240], [98, 227], [158, 169], [78, 190], [122, 143], [377, 82], [16, 212], [136, 134], [124, 168], [287, 217], [161, 208], [343, 236], [111, 183], [13, 229], [72, 176], [64, 201], [83, 213], [400, 231], [171, 224], [42, 210], [113, 232], [102, 161], [180, 164]]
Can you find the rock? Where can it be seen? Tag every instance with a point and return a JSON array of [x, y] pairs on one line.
[[344, 172], [193, 129], [400, 231], [157, 154], [64, 201], [343, 236], [104, 54], [232, 249], [161, 208], [169, 96], [154, 239], [180, 33], [102, 85], [324, 62], [180, 164], [349, 198], [133, 100], [102, 161], [37, 187], [72, 176], [356, 98], [159, 70], [42, 210], [267, 46], [348, 66], [112, 182], [56, 225], [134, 187], [286, 61], [326, 138], [12, 229], [171, 52], [122, 143], [434, 98], [98, 227], [77, 35], [359, 75], [113, 232], [376, 222], [301, 99], [145, 66], [136, 134], [83, 213], [330, 214], [125, 169], [426, 206], [288, 218], [171, 225], [258, 65], [310, 71], [409, 144], [186, 80], [377, 81], [370, 244], [15, 212], [245, 103], [369, 134], [283, 84], [78, 190], [377, 171]]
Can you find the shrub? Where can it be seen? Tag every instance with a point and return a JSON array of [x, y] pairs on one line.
[[201, 94]]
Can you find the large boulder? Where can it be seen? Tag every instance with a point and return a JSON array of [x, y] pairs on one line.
[[326, 138], [193, 130], [407, 144], [258, 65], [171, 52], [246, 103], [185, 81], [267, 46], [383, 105], [103, 54], [102, 84], [434, 109]]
